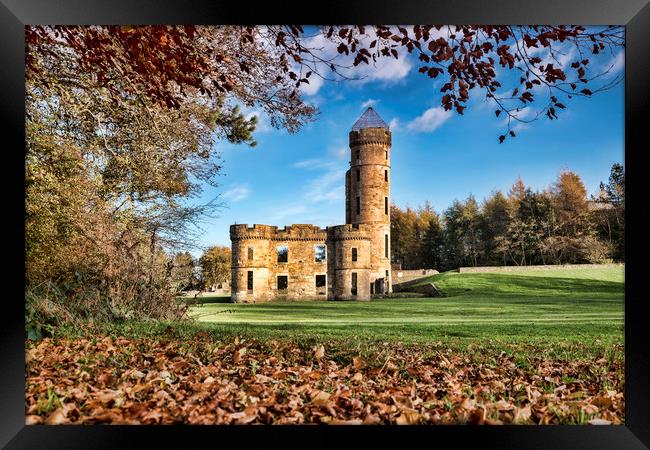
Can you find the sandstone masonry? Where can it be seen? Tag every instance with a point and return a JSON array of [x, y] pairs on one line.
[[343, 262]]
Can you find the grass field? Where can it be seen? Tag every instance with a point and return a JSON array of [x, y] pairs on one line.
[[569, 307], [529, 348]]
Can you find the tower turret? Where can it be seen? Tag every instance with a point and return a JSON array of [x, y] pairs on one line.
[[368, 191]]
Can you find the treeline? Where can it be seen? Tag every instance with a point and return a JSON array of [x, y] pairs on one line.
[[209, 270], [559, 225]]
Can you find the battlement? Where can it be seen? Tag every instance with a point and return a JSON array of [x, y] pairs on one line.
[[299, 232], [257, 231], [370, 136], [349, 232]]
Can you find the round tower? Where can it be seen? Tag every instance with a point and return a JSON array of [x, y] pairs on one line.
[[368, 192], [350, 268], [249, 264]]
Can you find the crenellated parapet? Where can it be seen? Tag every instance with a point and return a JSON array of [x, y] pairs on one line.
[[295, 232], [300, 232], [349, 232], [368, 136], [243, 232]]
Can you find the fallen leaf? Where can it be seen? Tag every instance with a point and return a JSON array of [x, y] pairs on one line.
[[371, 419], [33, 419], [408, 418], [522, 414], [57, 417], [346, 422], [320, 398], [237, 357]]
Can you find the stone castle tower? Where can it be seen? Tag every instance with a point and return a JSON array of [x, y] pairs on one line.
[[368, 191], [343, 262]]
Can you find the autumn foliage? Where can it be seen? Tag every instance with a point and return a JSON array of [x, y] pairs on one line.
[[558, 225], [237, 381]]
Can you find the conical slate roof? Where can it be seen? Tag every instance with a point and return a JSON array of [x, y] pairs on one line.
[[369, 119]]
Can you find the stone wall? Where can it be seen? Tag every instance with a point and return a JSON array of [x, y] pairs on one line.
[[300, 269], [527, 268], [401, 276]]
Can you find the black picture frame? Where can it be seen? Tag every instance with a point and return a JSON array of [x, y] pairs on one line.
[[15, 14]]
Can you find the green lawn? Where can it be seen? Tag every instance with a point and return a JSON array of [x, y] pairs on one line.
[[555, 308]]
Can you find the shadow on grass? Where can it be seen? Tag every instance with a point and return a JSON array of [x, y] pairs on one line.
[[422, 332], [204, 300]]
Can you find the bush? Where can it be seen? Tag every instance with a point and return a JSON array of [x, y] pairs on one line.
[[84, 303]]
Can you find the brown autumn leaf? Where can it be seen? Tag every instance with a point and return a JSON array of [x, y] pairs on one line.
[[320, 398], [237, 356], [602, 401], [390, 367], [33, 419], [522, 414], [319, 352], [358, 363], [408, 418], [346, 422], [57, 417]]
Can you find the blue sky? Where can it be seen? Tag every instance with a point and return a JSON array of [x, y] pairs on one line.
[[436, 156]]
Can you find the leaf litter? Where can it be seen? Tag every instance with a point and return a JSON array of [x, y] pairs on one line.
[[236, 381]]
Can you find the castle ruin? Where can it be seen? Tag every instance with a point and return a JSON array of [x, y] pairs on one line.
[[343, 262]]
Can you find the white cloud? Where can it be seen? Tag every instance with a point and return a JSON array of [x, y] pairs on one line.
[[312, 164], [237, 193], [328, 187], [280, 214], [342, 152], [616, 63], [314, 85], [519, 126], [430, 120], [394, 124], [369, 102], [330, 184], [386, 69], [525, 113]]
